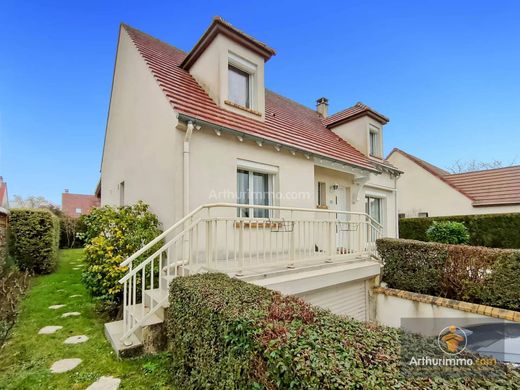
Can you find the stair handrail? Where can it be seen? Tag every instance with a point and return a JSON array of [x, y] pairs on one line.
[[156, 253], [161, 236]]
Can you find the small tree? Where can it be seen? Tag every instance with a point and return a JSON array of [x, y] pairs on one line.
[[448, 232]]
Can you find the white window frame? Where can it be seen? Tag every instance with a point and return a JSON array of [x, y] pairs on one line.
[[254, 167], [377, 148], [78, 210], [383, 209], [251, 69], [321, 192]]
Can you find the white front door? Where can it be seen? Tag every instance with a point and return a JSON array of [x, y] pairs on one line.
[[340, 202]]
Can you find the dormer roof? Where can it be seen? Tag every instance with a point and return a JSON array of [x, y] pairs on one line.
[[354, 112], [220, 26]]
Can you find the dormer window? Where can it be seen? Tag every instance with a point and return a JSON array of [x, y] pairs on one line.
[[239, 86], [374, 143], [241, 82]]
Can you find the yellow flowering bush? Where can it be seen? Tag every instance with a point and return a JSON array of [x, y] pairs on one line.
[[112, 235]]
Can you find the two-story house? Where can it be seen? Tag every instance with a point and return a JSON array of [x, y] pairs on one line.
[[240, 176]]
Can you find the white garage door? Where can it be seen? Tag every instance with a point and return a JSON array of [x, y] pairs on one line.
[[347, 299]]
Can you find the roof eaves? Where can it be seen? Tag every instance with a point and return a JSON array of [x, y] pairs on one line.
[[219, 26], [185, 118]]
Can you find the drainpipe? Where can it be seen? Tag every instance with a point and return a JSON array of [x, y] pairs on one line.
[[186, 165], [396, 208]]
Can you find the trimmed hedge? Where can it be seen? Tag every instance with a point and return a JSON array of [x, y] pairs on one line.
[[491, 230], [224, 333], [34, 239], [481, 275]]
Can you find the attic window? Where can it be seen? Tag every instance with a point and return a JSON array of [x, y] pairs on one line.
[[239, 86], [374, 143]]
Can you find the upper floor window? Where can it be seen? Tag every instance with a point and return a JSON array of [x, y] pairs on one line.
[[242, 79], [239, 86], [78, 210], [375, 143]]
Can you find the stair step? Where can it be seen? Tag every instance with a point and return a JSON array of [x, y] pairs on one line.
[[137, 313], [157, 295], [114, 333]]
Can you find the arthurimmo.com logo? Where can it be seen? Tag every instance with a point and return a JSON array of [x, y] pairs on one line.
[[452, 340]]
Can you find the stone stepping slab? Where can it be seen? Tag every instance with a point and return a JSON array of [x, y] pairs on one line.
[[71, 314], [75, 296], [65, 365], [56, 307], [76, 339], [105, 383], [49, 329]]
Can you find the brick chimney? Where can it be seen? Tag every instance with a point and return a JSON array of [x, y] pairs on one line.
[[322, 106]]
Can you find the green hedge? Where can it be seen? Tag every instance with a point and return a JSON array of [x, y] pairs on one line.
[[224, 333], [491, 230], [482, 275], [34, 239]]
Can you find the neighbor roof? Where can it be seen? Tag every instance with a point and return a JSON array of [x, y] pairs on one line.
[[286, 122], [71, 202], [500, 186], [491, 187], [3, 192]]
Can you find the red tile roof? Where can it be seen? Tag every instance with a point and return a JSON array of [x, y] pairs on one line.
[[286, 122], [71, 202], [491, 187], [3, 191], [354, 112]]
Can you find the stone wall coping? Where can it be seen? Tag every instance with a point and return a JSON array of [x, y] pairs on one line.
[[508, 315]]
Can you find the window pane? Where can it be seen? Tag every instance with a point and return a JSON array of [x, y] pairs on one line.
[[238, 84], [243, 191], [261, 193]]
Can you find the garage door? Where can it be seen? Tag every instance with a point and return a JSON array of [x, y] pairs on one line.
[[347, 299]]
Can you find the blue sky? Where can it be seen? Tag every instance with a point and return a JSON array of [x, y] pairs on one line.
[[445, 72]]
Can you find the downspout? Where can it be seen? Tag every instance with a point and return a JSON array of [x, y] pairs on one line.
[[396, 209], [186, 166]]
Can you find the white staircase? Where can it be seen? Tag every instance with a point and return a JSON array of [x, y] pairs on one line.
[[213, 239]]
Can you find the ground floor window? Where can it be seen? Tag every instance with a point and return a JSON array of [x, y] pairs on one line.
[[254, 188]]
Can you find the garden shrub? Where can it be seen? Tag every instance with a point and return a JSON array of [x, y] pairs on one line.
[[13, 285], [448, 232], [224, 333], [475, 274], [112, 234], [34, 236], [490, 230]]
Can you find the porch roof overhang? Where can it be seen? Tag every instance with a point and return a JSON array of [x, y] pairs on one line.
[[319, 159]]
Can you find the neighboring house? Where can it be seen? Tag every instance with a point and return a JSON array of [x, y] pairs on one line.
[[4, 198], [76, 205], [428, 191], [187, 132]]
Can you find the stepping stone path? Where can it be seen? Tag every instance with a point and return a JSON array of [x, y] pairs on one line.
[[76, 339], [71, 314], [75, 295], [105, 383], [55, 307], [49, 329], [64, 365]]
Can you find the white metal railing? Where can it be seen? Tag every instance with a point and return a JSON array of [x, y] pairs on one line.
[[213, 238]]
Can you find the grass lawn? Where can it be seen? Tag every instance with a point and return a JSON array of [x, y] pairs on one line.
[[27, 356]]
